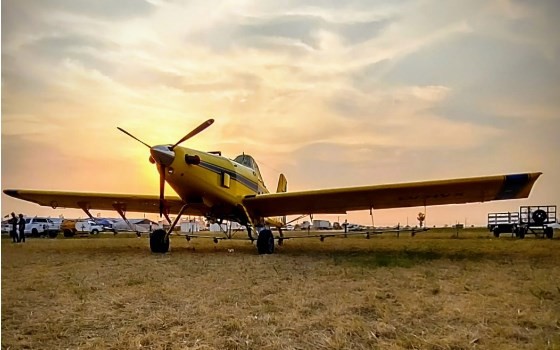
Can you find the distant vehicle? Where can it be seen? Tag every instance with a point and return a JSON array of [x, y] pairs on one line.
[[321, 225], [355, 227], [306, 225], [6, 226], [136, 225], [289, 227], [37, 227], [71, 227], [529, 219]]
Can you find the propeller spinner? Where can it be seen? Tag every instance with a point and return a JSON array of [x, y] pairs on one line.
[[163, 156]]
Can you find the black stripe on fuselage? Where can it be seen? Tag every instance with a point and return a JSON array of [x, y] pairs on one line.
[[234, 176]]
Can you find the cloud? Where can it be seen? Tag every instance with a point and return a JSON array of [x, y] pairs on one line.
[[372, 87]]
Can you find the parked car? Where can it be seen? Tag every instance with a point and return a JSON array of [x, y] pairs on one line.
[[71, 227], [6, 227]]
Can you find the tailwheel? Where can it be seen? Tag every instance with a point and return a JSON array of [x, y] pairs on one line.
[[265, 242], [159, 243]]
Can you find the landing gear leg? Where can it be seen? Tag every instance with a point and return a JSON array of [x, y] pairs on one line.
[[249, 229], [281, 238], [248, 222], [159, 239]]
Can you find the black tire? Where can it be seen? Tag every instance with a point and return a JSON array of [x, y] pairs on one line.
[[539, 216], [549, 232], [158, 242], [94, 231], [265, 242], [68, 233], [34, 233], [522, 232], [53, 234], [496, 232]]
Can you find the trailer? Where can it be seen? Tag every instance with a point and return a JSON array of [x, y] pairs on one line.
[[499, 223], [529, 220], [537, 219], [321, 225]]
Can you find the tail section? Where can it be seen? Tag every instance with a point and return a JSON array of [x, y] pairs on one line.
[[282, 187], [282, 184]]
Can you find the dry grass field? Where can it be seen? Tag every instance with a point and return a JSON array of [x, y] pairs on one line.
[[427, 292]]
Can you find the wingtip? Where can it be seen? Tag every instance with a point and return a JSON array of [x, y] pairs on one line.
[[518, 185], [11, 193]]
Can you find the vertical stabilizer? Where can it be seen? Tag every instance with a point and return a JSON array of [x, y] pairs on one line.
[[282, 187], [282, 184]]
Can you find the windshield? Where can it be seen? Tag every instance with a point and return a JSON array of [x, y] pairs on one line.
[[249, 162], [246, 160]]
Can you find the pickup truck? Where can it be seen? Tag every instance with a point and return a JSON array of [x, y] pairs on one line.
[[37, 226]]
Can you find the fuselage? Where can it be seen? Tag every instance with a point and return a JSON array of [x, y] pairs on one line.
[[214, 184]]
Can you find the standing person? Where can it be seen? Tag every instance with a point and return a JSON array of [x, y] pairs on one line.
[[21, 226], [13, 231]]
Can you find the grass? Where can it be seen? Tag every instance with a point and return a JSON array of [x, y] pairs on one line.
[[433, 291]]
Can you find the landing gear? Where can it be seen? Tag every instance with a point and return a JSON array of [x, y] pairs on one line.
[[159, 241], [265, 242]]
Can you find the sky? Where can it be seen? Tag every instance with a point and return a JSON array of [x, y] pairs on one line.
[[330, 93]]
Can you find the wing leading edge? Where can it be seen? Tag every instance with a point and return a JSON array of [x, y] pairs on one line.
[[101, 201], [340, 200]]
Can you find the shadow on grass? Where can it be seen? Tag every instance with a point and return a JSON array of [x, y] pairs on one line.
[[403, 258], [394, 253], [406, 257]]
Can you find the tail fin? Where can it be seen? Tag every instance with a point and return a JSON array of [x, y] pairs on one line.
[[282, 184], [282, 187]]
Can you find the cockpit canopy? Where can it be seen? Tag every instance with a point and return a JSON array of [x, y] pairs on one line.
[[246, 160], [249, 162]]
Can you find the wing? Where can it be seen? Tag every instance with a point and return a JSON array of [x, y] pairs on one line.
[[101, 201], [340, 200]]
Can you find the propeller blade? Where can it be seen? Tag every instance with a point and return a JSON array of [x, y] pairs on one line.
[[194, 132], [161, 190], [134, 137]]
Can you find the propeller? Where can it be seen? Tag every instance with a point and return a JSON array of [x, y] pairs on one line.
[[134, 137], [161, 190], [193, 132], [163, 156]]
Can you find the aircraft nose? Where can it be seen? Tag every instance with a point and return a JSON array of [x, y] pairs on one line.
[[162, 155]]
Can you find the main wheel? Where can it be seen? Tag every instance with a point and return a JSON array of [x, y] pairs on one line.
[[549, 232], [265, 242], [158, 242], [94, 231], [34, 233]]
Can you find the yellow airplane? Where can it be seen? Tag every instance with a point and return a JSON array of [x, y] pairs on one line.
[[219, 188]]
